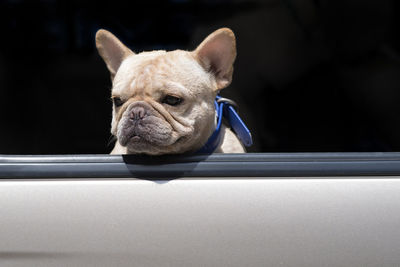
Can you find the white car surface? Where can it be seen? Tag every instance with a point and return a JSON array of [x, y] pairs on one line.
[[339, 210]]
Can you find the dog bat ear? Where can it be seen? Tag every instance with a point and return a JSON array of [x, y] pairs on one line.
[[216, 54], [112, 50]]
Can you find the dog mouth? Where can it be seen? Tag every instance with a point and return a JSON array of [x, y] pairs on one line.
[[143, 130], [151, 142], [134, 138], [148, 132], [138, 144]]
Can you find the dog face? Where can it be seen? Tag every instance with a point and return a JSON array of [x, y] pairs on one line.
[[163, 102]]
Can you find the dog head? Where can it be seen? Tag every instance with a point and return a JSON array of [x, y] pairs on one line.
[[163, 102]]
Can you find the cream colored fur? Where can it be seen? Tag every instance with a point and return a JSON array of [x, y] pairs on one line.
[[144, 122]]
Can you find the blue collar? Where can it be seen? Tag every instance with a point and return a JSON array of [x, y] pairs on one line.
[[225, 108]]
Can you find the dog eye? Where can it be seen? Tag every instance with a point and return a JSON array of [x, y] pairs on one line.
[[172, 100], [117, 101]]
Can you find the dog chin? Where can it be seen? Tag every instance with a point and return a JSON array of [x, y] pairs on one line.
[[138, 145]]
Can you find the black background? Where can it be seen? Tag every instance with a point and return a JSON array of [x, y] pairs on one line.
[[311, 75]]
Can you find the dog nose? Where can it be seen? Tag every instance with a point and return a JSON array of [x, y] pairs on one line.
[[137, 113]]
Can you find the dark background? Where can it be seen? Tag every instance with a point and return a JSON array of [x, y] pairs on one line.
[[311, 75]]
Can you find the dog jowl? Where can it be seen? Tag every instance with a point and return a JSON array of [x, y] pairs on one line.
[[164, 102]]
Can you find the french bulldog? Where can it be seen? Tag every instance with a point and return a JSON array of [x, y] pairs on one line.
[[163, 102]]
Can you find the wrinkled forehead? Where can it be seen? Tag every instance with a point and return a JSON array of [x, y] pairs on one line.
[[149, 71]]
